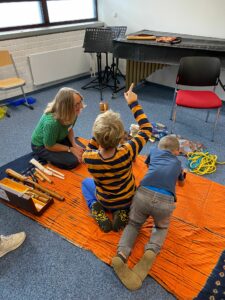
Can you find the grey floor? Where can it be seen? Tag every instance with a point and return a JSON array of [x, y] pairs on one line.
[[48, 267]]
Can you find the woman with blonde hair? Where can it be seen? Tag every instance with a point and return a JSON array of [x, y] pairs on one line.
[[53, 137]]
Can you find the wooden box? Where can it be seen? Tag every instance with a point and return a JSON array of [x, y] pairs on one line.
[[20, 195]]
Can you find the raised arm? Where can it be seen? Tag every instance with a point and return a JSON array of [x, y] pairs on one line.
[[136, 144]]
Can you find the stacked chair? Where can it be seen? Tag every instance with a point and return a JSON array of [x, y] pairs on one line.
[[14, 81]]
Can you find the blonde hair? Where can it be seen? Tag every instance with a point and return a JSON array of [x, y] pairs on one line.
[[62, 107], [108, 129], [170, 143]]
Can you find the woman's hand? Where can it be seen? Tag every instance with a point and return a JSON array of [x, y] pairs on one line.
[[130, 96], [77, 151]]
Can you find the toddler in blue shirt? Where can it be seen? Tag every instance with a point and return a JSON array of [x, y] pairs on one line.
[[155, 197]]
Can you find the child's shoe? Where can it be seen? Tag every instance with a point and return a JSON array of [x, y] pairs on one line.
[[101, 218], [126, 276], [120, 219], [144, 265], [11, 242]]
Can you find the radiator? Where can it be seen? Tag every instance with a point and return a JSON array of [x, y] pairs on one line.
[[58, 64], [137, 71]]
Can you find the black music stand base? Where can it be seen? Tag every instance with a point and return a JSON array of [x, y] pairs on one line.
[[97, 82]]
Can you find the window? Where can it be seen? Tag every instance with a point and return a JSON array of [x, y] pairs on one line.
[[72, 10], [41, 13]]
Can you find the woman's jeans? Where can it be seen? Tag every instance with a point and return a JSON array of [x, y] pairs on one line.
[[63, 160]]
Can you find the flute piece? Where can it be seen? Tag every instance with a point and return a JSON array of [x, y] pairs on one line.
[[34, 195], [42, 199], [40, 167], [55, 171], [43, 195], [37, 194], [57, 175], [22, 178], [39, 176], [40, 173], [37, 171]]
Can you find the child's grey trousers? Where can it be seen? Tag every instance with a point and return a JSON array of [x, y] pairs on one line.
[[147, 203]]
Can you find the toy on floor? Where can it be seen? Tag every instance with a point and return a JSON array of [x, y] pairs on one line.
[[103, 106], [159, 130], [202, 163], [187, 146], [17, 102], [3, 111]]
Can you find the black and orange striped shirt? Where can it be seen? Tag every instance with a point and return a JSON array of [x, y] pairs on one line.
[[113, 177]]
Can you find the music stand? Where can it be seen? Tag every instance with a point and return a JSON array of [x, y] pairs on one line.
[[114, 71], [97, 40]]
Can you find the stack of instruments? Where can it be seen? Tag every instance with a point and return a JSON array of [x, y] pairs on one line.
[[27, 193]]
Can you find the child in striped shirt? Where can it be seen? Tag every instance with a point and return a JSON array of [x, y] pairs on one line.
[[112, 185]]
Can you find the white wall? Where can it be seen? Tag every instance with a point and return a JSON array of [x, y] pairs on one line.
[[23, 47], [196, 17]]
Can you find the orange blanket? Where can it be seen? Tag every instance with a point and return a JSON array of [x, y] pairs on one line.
[[194, 243]]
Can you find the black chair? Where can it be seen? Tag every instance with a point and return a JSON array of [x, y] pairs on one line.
[[197, 72], [98, 40]]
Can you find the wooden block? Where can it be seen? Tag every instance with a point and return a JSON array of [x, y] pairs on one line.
[[141, 37]]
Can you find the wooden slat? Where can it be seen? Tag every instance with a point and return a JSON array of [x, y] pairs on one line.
[[137, 71]]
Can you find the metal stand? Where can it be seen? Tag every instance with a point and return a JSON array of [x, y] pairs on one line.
[[22, 89], [26, 102], [114, 71], [98, 40], [221, 84]]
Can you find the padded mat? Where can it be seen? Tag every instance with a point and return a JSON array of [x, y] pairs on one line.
[[186, 265]]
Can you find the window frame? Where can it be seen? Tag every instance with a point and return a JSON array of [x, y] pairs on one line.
[[45, 15]]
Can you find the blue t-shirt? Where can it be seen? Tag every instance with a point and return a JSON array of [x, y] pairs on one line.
[[164, 170]]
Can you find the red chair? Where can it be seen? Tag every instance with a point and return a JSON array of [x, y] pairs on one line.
[[197, 72]]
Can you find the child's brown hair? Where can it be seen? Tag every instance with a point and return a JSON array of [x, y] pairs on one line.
[[170, 143]]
